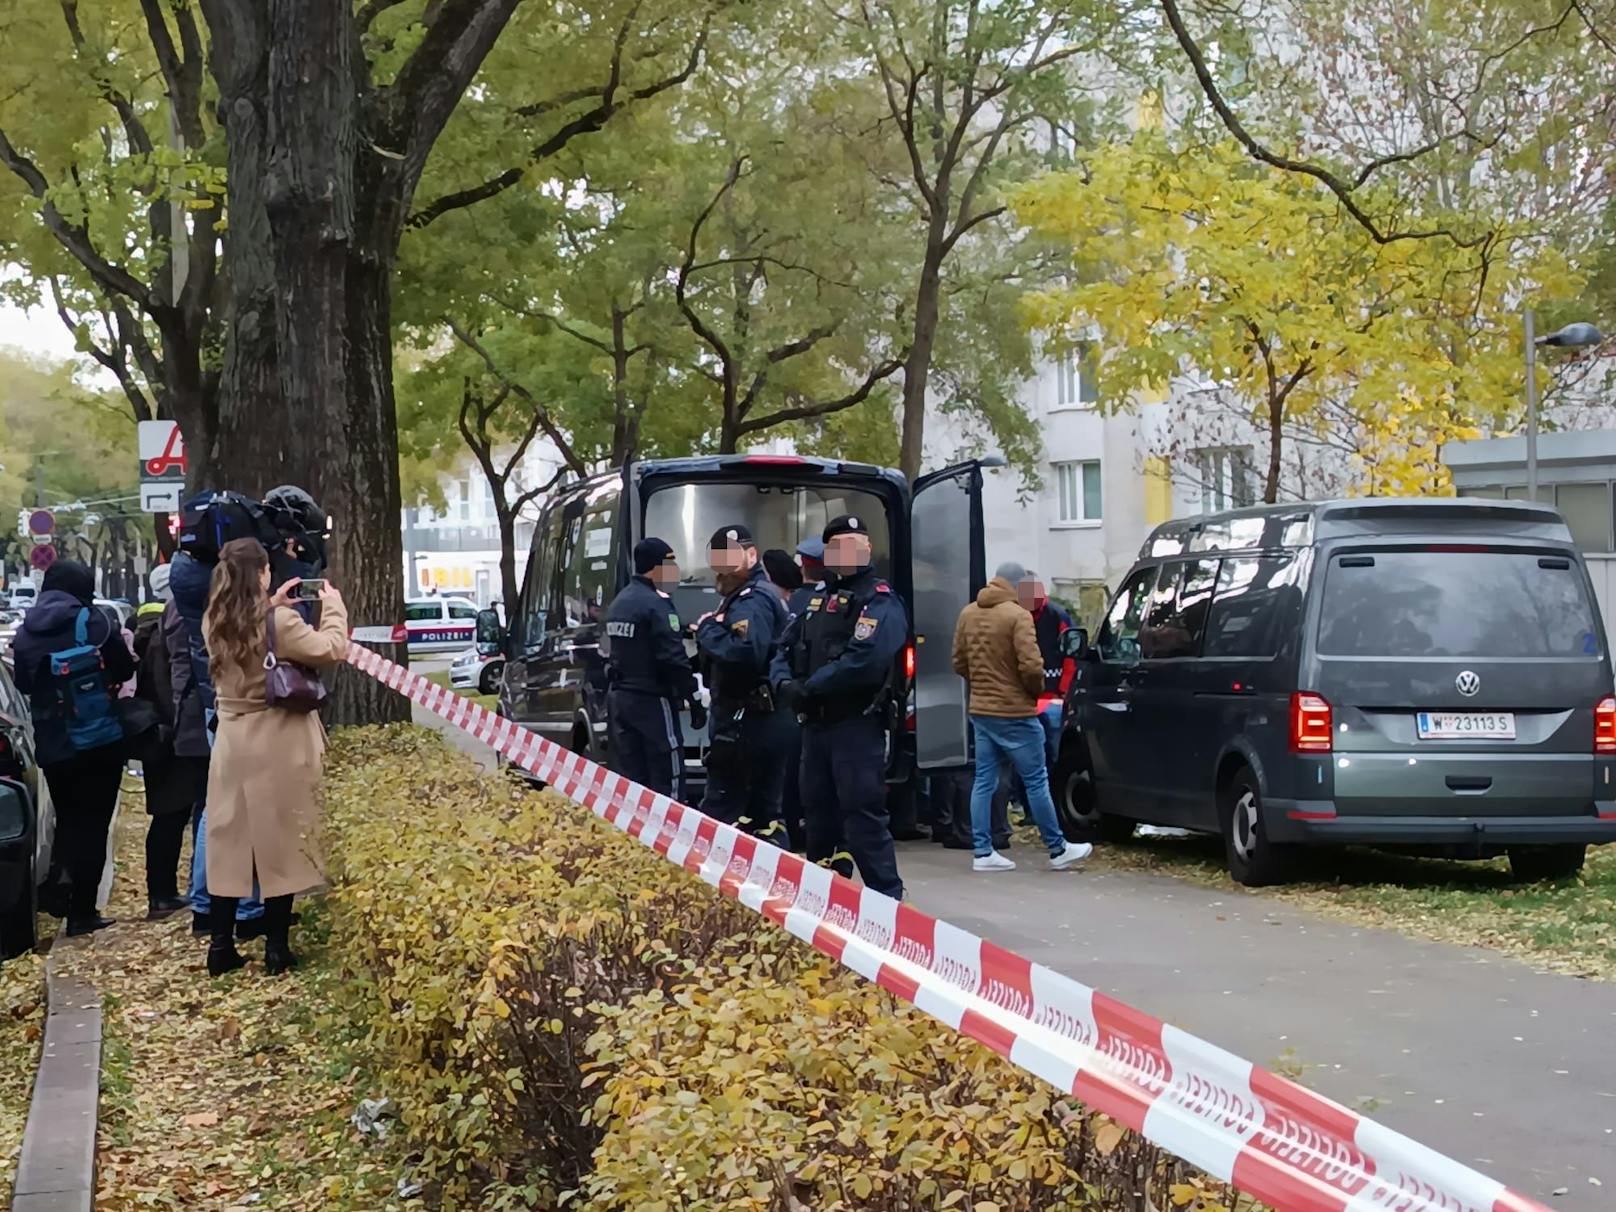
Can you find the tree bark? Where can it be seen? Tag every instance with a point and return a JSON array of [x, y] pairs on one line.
[[917, 364], [1276, 437]]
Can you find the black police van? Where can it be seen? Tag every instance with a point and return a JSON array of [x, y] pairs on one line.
[[1425, 674], [927, 544]]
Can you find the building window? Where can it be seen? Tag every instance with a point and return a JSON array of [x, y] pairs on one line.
[[1225, 475], [1079, 485], [1077, 380], [465, 500]]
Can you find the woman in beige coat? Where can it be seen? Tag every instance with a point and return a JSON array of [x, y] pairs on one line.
[[265, 771]]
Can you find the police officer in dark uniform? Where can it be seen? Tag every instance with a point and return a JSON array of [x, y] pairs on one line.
[[649, 675], [811, 559], [751, 736], [838, 665]]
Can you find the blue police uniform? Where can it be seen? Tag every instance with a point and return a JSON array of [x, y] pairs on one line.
[[750, 735], [649, 676], [840, 657]]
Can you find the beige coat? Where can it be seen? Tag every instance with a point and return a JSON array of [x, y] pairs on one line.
[[996, 651], [264, 778]]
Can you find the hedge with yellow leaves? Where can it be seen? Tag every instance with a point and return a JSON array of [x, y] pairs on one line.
[[567, 1020]]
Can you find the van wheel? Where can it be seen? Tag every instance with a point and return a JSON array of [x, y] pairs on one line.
[[1531, 864], [1253, 860], [1075, 806], [488, 680]]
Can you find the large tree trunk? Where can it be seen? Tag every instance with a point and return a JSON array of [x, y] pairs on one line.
[[917, 365], [509, 590]]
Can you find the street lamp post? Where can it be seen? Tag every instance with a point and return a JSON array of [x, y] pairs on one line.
[[1570, 337]]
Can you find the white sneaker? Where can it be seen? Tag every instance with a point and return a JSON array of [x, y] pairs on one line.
[[992, 862], [1071, 855]]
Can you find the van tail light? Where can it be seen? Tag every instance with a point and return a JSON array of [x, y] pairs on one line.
[[909, 663], [1605, 725], [1311, 723]]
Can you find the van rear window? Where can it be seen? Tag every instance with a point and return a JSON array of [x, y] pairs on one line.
[[1455, 604]]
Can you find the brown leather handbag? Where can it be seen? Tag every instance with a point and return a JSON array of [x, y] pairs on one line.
[[288, 685]]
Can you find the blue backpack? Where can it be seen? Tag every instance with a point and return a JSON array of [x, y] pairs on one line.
[[79, 675]]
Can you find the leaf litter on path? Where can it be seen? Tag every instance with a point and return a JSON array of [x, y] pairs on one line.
[[219, 1094]]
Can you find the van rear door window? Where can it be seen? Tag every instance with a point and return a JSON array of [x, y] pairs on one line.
[[1253, 595], [1446, 603]]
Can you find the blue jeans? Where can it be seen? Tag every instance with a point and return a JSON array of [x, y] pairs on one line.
[[1050, 718], [246, 909], [1020, 744]]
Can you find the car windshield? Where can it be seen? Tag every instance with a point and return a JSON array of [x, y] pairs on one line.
[[1456, 603], [423, 612], [778, 515]]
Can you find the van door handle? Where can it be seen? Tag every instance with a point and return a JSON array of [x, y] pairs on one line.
[[1469, 784]]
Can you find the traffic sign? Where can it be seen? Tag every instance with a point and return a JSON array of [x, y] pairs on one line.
[[42, 556], [41, 522], [162, 450]]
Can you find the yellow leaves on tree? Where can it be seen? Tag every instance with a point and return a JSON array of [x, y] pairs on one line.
[[1200, 261]]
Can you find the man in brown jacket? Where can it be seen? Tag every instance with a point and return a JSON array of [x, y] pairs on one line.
[[996, 652]]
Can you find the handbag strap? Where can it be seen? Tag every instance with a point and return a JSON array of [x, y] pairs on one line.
[[270, 660]]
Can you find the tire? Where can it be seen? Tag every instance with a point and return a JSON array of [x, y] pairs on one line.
[[1080, 820], [17, 924], [488, 681], [1533, 864], [1252, 859]]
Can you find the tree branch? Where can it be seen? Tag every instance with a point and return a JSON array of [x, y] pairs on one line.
[[73, 236], [1342, 189], [802, 412], [588, 122], [681, 284], [546, 422]]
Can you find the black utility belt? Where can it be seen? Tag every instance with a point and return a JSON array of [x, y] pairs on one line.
[[759, 698]]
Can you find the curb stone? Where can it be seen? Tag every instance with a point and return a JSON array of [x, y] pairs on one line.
[[57, 1169]]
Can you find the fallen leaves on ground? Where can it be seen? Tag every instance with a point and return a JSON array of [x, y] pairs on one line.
[[224, 1095], [22, 1021]]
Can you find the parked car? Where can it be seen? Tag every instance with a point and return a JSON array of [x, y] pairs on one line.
[[927, 542], [439, 624], [25, 834], [21, 596], [1425, 674], [476, 670], [10, 620]]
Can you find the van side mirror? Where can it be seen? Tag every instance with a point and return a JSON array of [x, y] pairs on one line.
[[490, 635], [1074, 643]]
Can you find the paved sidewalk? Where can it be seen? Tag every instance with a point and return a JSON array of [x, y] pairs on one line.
[[1472, 1053]]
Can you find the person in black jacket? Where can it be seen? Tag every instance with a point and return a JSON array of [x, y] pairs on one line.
[[83, 784], [750, 736], [174, 784], [649, 674]]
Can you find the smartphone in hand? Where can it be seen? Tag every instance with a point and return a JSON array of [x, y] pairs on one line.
[[308, 590]]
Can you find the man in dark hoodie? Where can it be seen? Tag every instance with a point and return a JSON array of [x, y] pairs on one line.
[[83, 783]]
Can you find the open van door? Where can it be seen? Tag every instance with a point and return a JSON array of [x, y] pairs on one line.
[[949, 560]]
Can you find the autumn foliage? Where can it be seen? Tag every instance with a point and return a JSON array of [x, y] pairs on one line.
[[565, 1020]]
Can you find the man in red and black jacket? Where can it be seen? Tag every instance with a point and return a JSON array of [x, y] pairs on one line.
[[1050, 622]]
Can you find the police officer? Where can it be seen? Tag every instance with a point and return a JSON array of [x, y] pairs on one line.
[[811, 559], [838, 665], [750, 735], [649, 675]]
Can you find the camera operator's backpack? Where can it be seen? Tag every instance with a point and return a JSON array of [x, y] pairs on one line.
[[87, 706], [209, 520]]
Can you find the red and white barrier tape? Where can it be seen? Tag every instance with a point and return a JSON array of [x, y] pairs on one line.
[[1269, 1137]]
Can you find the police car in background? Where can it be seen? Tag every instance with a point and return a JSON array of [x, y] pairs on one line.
[[439, 624], [927, 543]]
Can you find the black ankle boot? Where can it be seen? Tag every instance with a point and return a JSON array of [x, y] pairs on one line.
[[222, 954], [278, 955]]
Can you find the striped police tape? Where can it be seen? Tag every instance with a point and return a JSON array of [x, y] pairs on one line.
[[1269, 1137]]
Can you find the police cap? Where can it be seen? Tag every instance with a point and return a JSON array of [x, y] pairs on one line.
[[812, 548], [846, 524], [733, 535], [649, 554]]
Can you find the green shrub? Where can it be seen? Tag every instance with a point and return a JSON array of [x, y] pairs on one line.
[[566, 1019]]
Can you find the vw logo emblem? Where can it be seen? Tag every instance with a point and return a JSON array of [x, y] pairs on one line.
[[1468, 683]]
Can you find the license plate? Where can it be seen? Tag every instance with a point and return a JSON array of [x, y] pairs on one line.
[[1465, 725]]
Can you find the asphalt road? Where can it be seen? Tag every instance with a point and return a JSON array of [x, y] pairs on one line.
[[1510, 1070]]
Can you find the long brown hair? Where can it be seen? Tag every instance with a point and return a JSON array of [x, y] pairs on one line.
[[237, 604]]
